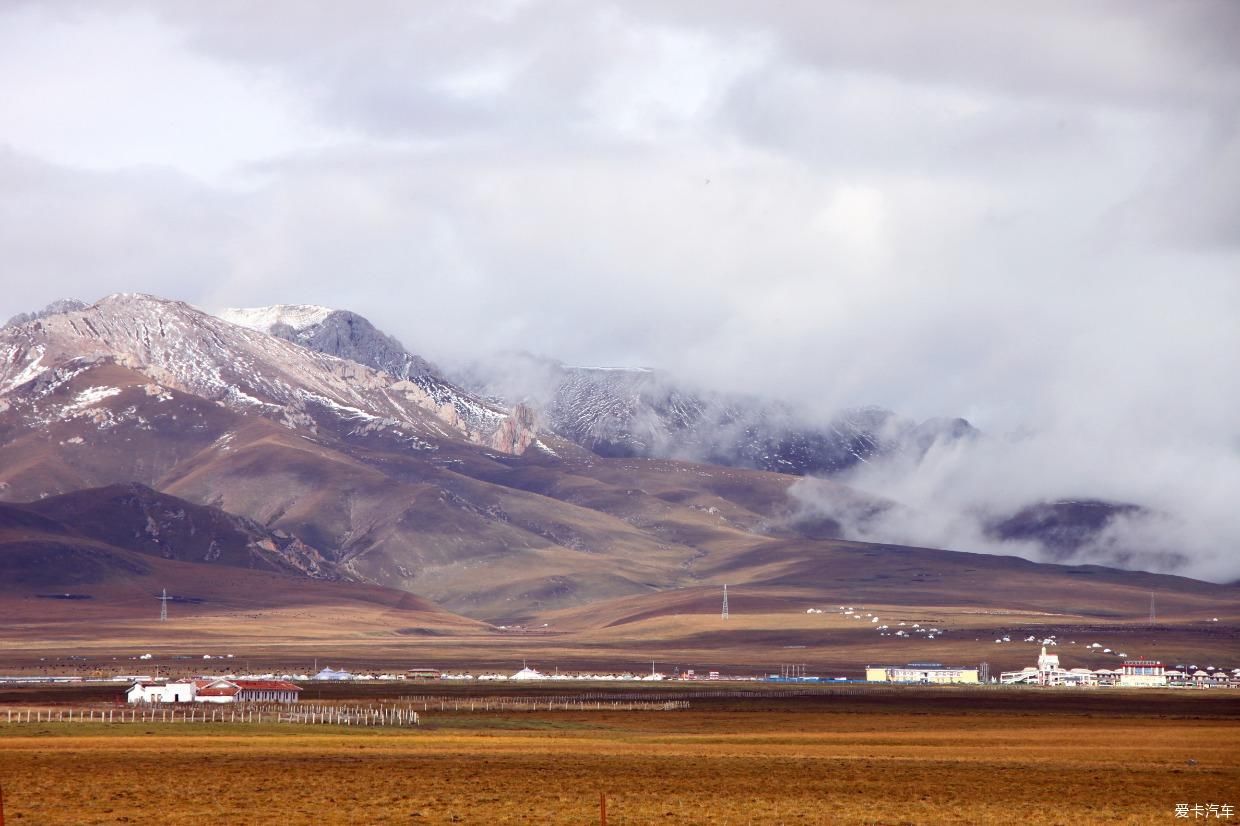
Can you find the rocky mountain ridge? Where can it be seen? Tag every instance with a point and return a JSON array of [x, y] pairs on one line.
[[631, 412], [620, 411], [349, 336], [64, 305], [179, 347], [339, 333]]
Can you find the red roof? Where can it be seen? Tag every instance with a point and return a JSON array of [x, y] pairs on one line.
[[266, 685], [229, 691]]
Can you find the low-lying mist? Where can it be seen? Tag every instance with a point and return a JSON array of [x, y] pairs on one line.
[[960, 494], [1127, 480]]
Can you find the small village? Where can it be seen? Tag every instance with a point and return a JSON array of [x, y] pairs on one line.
[[1048, 672], [161, 687], [1133, 673]]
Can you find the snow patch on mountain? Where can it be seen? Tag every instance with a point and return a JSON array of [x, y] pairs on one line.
[[297, 316], [23, 366], [180, 347], [347, 335], [91, 397], [637, 411]]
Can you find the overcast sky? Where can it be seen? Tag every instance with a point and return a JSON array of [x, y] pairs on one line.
[[1026, 214], [944, 210]]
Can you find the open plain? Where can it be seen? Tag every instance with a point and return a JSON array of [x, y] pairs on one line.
[[848, 755], [84, 639]]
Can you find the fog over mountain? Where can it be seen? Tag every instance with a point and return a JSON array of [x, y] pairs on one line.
[[1030, 226]]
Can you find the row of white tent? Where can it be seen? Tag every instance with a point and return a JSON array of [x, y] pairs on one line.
[[533, 674], [523, 674]]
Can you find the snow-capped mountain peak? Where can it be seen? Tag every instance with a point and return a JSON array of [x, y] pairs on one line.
[[347, 335], [180, 347], [295, 316]]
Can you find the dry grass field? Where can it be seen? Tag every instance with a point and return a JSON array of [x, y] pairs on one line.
[[909, 757], [755, 640]]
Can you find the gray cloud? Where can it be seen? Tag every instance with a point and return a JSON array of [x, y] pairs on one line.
[[956, 493], [1022, 217]]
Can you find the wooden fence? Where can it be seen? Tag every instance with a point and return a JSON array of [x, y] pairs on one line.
[[190, 713], [411, 705], [518, 704], [398, 715]]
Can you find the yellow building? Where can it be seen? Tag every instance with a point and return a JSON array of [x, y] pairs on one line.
[[921, 673]]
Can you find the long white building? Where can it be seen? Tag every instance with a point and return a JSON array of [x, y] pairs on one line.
[[925, 673], [219, 690]]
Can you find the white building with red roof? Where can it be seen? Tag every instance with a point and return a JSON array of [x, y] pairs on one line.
[[215, 690], [266, 691]]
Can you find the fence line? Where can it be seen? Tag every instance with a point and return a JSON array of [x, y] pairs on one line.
[[405, 715], [402, 707], [240, 715]]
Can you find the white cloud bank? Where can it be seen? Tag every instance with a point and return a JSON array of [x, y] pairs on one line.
[[1026, 217]]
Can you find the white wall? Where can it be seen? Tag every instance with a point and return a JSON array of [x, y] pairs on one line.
[[169, 693]]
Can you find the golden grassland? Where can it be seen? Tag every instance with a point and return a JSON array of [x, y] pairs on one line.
[[283, 624], [377, 637], [1037, 759]]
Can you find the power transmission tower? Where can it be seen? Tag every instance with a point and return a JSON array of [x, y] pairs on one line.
[[163, 606], [725, 601]]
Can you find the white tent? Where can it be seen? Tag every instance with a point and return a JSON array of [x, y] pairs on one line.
[[328, 673], [528, 674]]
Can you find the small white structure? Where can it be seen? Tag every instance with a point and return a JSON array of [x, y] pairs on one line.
[[1049, 670], [1106, 676], [528, 673], [1080, 677], [153, 692], [329, 673], [1026, 676]]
